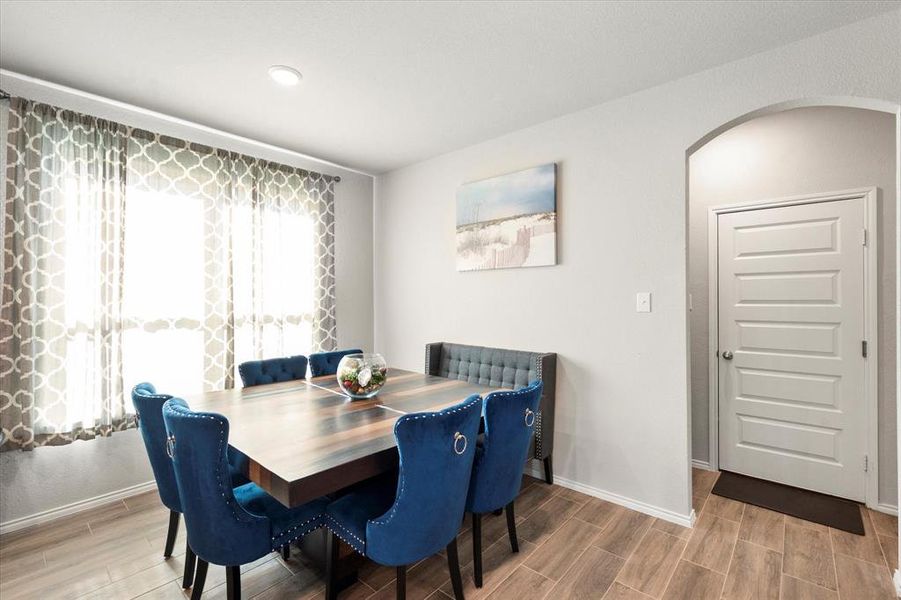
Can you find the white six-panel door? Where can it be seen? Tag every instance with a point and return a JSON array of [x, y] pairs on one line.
[[792, 404]]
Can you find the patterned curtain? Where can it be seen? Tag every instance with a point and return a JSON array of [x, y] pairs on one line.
[[130, 255]]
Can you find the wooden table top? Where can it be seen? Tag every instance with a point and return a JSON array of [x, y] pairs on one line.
[[304, 439]]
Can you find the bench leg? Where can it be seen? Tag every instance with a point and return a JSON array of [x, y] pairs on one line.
[[548, 470]]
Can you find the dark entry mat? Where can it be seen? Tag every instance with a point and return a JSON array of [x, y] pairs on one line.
[[804, 504]]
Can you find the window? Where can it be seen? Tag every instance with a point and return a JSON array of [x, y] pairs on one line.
[[139, 257]]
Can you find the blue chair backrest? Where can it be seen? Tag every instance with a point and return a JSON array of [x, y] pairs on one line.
[[326, 363], [497, 471], [149, 407], [220, 530], [436, 452], [273, 370]]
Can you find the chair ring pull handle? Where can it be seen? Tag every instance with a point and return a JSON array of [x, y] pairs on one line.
[[458, 437], [170, 446], [530, 417]]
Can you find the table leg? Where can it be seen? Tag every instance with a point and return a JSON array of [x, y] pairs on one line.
[[314, 547]]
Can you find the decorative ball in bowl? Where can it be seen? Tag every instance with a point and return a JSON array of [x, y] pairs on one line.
[[362, 375]]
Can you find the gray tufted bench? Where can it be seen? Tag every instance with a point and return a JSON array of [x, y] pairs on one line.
[[501, 368]]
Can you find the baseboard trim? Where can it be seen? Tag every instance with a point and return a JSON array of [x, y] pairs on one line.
[[701, 464], [897, 581], [642, 507], [76, 507], [889, 509]]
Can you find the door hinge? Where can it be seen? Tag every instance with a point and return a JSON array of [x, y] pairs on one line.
[[866, 463], [864, 237], [863, 348]]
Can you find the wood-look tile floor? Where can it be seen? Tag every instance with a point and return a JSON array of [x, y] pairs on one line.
[[571, 546]]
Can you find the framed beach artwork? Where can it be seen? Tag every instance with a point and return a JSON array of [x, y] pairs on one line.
[[508, 221]]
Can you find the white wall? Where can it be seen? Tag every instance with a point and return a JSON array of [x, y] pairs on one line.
[[801, 151], [49, 478], [623, 408]]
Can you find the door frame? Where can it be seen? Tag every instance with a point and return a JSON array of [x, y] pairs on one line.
[[869, 197]]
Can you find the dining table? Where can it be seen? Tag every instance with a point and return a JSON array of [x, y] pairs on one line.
[[305, 438]]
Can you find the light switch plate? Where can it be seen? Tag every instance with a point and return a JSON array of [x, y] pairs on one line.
[[643, 302]]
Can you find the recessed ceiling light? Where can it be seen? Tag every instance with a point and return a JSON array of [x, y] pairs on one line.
[[285, 75]]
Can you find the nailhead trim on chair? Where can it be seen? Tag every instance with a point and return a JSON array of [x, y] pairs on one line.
[[286, 532], [361, 550], [346, 531], [430, 415], [281, 541], [237, 510], [537, 422], [156, 396], [457, 358]]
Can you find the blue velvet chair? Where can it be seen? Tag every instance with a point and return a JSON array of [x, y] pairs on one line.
[[326, 363], [261, 372], [273, 370], [399, 524], [500, 456], [149, 410], [226, 526]]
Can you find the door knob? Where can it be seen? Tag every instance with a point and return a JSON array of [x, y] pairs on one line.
[[727, 355]]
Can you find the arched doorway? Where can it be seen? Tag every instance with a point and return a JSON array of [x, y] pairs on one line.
[[779, 169]]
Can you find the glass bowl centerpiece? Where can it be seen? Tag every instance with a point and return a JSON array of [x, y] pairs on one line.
[[362, 375]]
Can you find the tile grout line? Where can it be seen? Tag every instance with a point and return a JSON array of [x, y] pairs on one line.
[[629, 588], [439, 594], [734, 548], [691, 562], [573, 516], [632, 553], [669, 580], [879, 541], [756, 545], [834, 562], [831, 554], [277, 559], [154, 589], [523, 565], [571, 566], [685, 547], [501, 582], [782, 556], [537, 508]]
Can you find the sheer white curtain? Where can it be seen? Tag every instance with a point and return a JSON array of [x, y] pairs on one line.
[[131, 256]]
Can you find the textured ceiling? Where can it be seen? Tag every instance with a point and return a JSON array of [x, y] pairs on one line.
[[389, 84]]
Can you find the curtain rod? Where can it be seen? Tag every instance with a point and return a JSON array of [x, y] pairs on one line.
[[27, 79], [4, 95]]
